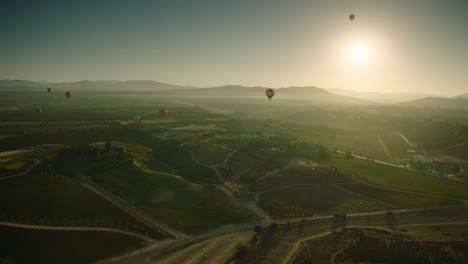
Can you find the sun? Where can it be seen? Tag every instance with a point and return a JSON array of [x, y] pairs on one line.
[[360, 52]]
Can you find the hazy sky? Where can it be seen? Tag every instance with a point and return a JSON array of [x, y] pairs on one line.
[[391, 46]]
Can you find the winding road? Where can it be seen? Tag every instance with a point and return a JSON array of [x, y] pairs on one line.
[[212, 167], [67, 228]]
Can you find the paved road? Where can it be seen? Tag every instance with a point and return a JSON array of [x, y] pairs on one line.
[[68, 228], [285, 244], [374, 160], [406, 139], [153, 251]]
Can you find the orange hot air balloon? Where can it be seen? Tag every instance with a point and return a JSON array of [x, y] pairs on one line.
[[68, 94], [49, 90], [162, 113], [351, 17], [270, 93]]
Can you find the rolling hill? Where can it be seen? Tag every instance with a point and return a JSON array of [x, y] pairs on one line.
[[439, 102], [310, 94], [378, 96], [465, 95]]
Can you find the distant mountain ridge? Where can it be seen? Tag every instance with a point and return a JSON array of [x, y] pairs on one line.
[[117, 86], [380, 97], [308, 93], [439, 102], [465, 95]]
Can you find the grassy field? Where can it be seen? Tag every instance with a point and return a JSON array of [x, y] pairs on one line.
[[439, 232], [300, 172], [38, 246], [180, 160], [400, 178], [247, 167], [381, 144], [188, 207], [310, 200], [56, 200], [395, 197], [75, 136], [208, 153]]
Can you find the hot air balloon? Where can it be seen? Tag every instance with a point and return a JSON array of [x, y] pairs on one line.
[[270, 93], [351, 17], [49, 90], [162, 113], [68, 94]]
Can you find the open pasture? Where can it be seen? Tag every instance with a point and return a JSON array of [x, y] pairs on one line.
[[403, 179]]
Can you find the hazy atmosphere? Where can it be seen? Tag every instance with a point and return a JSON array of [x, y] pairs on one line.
[[391, 46], [236, 132]]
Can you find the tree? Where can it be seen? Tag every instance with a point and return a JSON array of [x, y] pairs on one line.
[[274, 225], [322, 154], [348, 155], [258, 229], [242, 250], [108, 146], [6, 260]]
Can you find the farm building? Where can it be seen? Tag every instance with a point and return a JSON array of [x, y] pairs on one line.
[[98, 146], [118, 148], [104, 146]]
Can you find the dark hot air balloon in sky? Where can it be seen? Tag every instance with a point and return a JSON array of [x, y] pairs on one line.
[[270, 93], [351, 17], [162, 112], [68, 94]]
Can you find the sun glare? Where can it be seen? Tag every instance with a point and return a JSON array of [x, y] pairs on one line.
[[360, 52]]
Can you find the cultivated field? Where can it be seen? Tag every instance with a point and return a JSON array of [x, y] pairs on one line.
[[300, 173], [314, 199], [395, 197], [19, 245], [188, 207], [400, 178], [45, 199]]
